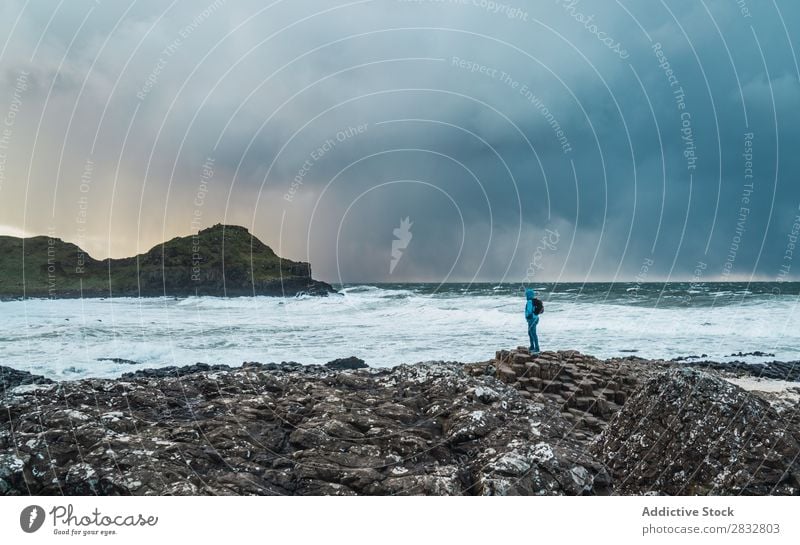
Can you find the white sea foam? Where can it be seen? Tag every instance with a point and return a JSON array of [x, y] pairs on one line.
[[64, 338], [759, 384]]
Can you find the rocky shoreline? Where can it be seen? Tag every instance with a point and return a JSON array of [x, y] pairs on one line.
[[549, 424]]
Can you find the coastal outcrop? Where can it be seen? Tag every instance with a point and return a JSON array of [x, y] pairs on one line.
[[428, 428], [586, 390], [11, 378], [687, 432], [223, 260], [536, 424]]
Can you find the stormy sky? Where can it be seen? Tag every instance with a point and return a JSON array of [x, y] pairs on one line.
[[524, 141]]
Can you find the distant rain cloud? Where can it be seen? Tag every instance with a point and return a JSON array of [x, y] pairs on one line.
[[659, 134]]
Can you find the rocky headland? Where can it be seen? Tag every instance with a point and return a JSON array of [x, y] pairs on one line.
[[223, 260], [548, 424]]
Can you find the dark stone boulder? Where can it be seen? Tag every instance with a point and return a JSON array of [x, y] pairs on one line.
[[688, 432], [175, 371], [343, 364], [11, 378], [121, 361]]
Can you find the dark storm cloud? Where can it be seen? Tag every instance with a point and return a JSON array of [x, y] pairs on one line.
[[614, 133]]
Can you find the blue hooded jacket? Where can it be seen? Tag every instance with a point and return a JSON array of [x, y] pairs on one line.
[[529, 315]]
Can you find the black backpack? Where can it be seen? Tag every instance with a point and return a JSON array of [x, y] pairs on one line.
[[538, 306]]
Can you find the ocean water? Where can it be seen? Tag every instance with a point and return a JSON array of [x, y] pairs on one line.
[[400, 323]]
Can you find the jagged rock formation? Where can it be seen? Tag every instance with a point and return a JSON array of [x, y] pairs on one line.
[[223, 260], [342, 364], [687, 432], [289, 429], [554, 423], [777, 370], [11, 378], [588, 391]]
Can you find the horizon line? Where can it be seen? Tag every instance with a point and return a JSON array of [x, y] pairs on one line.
[[22, 234], [658, 281]]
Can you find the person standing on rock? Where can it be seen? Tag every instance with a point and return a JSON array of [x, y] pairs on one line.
[[533, 307]]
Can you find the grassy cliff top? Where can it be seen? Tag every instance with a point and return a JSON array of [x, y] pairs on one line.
[[219, 260]]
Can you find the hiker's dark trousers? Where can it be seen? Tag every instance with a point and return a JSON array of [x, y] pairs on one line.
[[532, 334]]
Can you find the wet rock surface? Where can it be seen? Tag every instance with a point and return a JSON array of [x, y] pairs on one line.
[[11, 378], [342, 364], [687, 432], [282, 429], [586, 390], [545, 424], [670, 429], [776, 370], [119, 360]]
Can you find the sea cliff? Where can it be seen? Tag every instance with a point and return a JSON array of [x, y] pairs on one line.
[[223, 260]]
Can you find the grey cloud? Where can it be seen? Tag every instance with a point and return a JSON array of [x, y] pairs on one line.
[[269, 119]]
